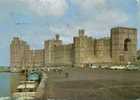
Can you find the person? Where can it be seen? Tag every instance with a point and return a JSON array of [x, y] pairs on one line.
[[66, 74]]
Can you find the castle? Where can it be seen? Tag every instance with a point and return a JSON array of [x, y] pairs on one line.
[[120, 48]]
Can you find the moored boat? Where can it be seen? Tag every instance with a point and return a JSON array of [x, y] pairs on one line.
[[27, 90]]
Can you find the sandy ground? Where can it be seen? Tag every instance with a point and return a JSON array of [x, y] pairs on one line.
[[87, 84]]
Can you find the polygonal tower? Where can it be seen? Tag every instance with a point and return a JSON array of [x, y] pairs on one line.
[[123, 45]]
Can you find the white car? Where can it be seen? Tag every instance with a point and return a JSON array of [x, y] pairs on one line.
[[118, 67], [93, 67]]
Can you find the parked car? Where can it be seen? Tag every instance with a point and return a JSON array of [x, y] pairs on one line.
[[118, 67]]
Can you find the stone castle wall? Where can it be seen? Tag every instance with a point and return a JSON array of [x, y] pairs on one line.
[[120, 48], [50, 52], [124, 45], [37, 57], [83, 49], [102, 50], [22, 56], [18, 50], [63, 55]]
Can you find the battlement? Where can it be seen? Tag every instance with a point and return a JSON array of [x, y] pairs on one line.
[[84, 50], [81, 32]]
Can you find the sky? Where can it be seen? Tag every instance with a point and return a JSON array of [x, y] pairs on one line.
[[38, 20]]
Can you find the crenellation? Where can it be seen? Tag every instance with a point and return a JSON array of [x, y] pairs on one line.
[[85, 50], [124, 45]]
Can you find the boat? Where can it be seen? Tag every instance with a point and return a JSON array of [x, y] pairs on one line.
[[5, 98], [34, 76], [27, 90]]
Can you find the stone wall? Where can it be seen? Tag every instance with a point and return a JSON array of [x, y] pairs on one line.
[[83, 49], [63, 55], [22, 56], [120, 48], [88, 50], [49, 49], [37, 58], [124, 45], [102, 50], [138, 55], [18, 50]]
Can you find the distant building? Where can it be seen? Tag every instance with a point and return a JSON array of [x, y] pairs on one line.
[[120, 48]]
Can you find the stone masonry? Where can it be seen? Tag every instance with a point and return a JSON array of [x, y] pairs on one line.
[[120, 48]]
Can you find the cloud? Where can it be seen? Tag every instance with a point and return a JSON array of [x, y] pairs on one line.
[[95, 17], [112, 17], [89, 4], [47, 7], [138, 1], [98, 25], [138, 6]]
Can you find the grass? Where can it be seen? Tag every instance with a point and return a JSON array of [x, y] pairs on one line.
[[4, 68]]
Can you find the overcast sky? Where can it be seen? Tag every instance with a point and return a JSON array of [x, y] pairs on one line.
[[38, 20]]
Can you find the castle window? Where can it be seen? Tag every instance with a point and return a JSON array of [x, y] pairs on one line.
[[126, 44]]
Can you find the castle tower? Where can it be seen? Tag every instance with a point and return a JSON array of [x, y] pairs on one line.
[[83, 49], [19, 51], [81, 32], [49, 50], [57, 36], [123, 45], [14, 53]]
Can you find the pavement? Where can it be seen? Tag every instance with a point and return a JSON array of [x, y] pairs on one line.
[[89, 84]]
